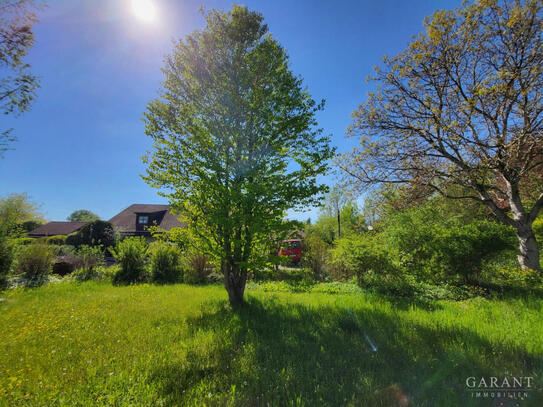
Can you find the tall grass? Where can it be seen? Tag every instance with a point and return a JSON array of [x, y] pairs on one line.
[[93, 344]]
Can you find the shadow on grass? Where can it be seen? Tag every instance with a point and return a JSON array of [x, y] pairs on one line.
[[271, 353]]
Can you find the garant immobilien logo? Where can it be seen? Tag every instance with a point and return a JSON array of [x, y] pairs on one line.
[[516, 387]]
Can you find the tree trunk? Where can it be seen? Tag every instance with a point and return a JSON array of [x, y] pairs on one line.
[[234, 281], [528, 256], [338, 224]]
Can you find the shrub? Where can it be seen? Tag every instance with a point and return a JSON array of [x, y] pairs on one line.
[[6, 259], [197, 267], [461, 250], [97, 233], [23, 241], [100, 273], [56, 240], [315, 256], [34, 263], [90, 257], [165, 263], [131, 253], [435, 244], [64, 250], [538, 229], [360, 254]]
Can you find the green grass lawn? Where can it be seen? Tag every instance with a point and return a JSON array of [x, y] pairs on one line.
[[93, 344]]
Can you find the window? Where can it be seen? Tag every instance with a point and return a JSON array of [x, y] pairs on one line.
[[143, 219]]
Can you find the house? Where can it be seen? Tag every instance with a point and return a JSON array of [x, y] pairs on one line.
[[56, 228], [136, 219]]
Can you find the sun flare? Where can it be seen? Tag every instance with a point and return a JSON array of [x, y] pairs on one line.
[[144, 10]]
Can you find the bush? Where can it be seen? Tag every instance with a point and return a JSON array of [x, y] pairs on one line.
[[436, 245], [197, 267], [131, 253], [90, 257], [58, 240], [538, 229], [165, 263], [23, 241], [6, 259], [460, 251], [34, 263], [97, 233], [315, 256], [65, 250], [100, 273]]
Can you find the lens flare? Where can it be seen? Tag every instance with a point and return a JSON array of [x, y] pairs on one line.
[[144, 10]]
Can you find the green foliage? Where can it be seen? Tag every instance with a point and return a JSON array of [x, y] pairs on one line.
[[23, 241], [290, 275], [363, 253], [82, 215], [99, 273], [131, 253], [326, 225], [97, 233], [235, 143], [90, 257], [34, 263], [434, 243], [6, 258], [15, 211], [538, 230], [165, 262], [58, 240], [315, 256], [196, 267]]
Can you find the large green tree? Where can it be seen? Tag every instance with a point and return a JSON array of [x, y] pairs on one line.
[[235, 143], [460, 111], [17, 84]]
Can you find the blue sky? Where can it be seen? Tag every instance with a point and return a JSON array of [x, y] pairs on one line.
[[81, 144]]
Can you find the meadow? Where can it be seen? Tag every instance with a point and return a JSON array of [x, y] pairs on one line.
[[94, 344]]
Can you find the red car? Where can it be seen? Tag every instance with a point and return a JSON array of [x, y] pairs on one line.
[[292, 248]]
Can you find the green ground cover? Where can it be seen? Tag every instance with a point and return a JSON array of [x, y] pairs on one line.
[[93, 344]]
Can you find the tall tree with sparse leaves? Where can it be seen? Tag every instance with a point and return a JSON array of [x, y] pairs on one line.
[[460, 111], [235, 143], [17, 85]]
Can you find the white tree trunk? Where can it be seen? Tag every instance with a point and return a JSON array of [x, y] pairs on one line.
[[528, 256]]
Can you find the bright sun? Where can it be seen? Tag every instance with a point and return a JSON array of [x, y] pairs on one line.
[[144, 10]]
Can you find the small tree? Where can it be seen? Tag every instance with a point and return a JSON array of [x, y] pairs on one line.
[[460, 111], [83, 215], [234, 144]]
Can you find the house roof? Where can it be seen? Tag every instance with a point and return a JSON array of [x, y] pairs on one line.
[[159, 215], [56, 228]]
